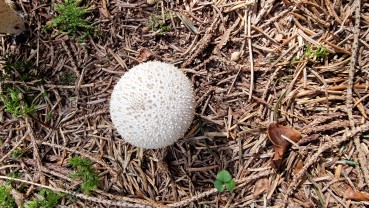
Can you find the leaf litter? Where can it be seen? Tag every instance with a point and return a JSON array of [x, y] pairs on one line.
[[309, 94]]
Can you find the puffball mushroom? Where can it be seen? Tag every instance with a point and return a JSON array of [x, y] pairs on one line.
[[152, 105]]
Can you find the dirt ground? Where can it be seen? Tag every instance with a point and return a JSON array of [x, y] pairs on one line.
[[303, 64]]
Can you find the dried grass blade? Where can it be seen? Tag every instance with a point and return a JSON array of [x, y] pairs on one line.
[[188, 24]]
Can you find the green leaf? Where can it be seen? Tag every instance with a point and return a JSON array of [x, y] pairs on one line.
[[219, 185], [224, 176], [230, 185]]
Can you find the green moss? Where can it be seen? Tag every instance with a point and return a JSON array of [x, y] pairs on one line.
[[47, 199], [85, 172], [17, 70], [67, 78], [6, 200], [71, 19], [18, 98], [15, 103]]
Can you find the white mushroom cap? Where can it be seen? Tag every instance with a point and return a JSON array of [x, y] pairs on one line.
[[152, 105]]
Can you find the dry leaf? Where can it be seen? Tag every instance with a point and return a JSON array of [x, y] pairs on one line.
[[354, 195], [298, 166], [277, 134], [235, 56], [261, 186], [10, 21], [144, 54]]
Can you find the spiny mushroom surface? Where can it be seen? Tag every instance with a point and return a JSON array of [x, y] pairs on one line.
[[152, 105]]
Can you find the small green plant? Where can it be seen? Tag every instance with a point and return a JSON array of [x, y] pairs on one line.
[[17, 153], [159, 22], [318, 53], [17, 70], [72, 19], [85, 172], [67, 78], [164, 27], [311, 54], [6, 200], [18, 99], [321, 52], [46, 199], [15, 104], [224, 180], [308, 52]]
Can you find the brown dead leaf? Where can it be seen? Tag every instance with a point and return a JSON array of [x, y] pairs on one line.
[[277, 134], [261, 186], [144, 54], [139, 193], [298, 166], [354, 195]]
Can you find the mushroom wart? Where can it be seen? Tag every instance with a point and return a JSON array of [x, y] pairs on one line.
[[152, 105]]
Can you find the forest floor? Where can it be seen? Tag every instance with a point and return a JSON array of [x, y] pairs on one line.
[[301, 64]]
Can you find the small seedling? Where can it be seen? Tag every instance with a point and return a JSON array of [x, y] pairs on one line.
[[72, 19], [311, 54], [224, 180], [46, 199], [319, 52], [6, 200], [85, 172]]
